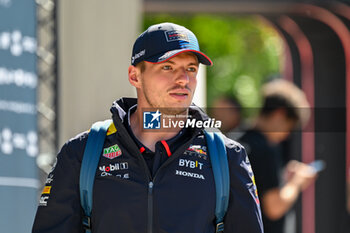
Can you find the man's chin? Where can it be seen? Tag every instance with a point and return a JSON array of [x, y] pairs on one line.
[[175, 110]]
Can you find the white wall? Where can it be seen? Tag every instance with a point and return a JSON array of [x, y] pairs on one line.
[[95, 44]]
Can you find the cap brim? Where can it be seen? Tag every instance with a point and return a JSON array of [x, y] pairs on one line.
[[202, 58]]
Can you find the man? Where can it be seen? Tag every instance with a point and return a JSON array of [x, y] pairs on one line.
[[152, 180], [228, 110], [284, 108]]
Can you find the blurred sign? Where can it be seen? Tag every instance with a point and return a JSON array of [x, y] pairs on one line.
[[18, 118]]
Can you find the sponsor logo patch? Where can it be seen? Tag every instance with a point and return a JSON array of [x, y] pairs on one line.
[[197, 151], [165, 56], [190, 164], [47, 190], [43, 201], [112, 152], [122, 176], [111, 129], [189, 174], [49, 179], [138, 55], [255, 189], [175, 36], [114, 167]]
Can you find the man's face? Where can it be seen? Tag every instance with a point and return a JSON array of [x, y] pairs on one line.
[[227, 113], [170, 85], [281, 126]]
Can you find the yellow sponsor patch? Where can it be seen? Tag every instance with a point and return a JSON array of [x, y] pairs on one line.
[[47, 190], [111, 129], [253, 178], [256, 188]]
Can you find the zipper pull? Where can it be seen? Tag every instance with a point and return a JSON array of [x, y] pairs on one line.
[[150, 186], [150, 207]]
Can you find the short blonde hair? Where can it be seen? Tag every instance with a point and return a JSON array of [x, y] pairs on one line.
[[141, 65]]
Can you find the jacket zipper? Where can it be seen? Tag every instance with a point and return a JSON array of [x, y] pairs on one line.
[[123, 132], [150, 207], [150, 194]]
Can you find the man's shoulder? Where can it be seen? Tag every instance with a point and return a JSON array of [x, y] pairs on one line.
[[239, 164], [79, 138], [236, 152], [76, 144], [233, 145]]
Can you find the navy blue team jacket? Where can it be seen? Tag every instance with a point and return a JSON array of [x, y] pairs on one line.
[[127, 198]]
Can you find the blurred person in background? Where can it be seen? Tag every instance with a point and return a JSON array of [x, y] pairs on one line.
[[228, 110], [284, 108], [152, 180]]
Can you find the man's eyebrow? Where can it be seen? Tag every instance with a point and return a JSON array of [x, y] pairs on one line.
[[190, 64], [194, 64], [169, 62]]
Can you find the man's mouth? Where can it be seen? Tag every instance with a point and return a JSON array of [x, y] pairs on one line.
[[179, 95]]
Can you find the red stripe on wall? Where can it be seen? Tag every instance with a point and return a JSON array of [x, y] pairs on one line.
[[307, 137], [344, 10]]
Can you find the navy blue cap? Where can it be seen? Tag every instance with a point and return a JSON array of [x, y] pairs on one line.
[[161, 42]]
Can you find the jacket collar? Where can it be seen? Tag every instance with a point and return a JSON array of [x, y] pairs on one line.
[[121, 107]]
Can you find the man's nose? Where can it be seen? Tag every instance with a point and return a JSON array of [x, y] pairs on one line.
[[182, 76]]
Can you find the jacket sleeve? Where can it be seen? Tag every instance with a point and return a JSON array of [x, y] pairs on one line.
[[243, 214], [59, 207]]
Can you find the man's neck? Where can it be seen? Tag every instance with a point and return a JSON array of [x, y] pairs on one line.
[[151, 136]]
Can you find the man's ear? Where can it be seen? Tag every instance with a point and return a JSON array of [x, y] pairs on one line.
[[134, 76]]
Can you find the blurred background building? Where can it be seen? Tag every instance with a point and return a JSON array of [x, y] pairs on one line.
[[62, 64]]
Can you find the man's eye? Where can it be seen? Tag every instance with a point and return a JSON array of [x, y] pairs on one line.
[[166, 68], [192, 69]]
